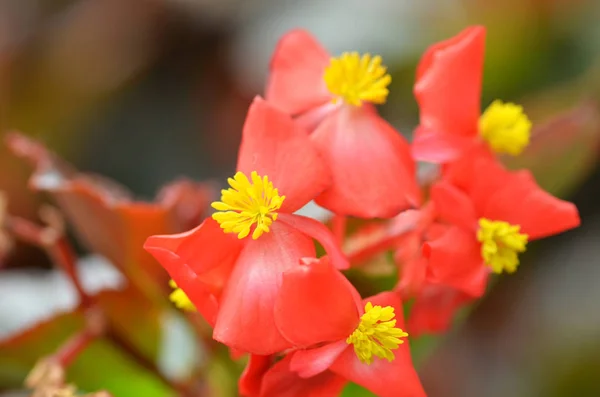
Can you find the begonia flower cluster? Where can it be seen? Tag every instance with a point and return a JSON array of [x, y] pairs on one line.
[[251, 269]]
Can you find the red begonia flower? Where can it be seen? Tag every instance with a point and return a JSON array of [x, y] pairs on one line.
[[370, 162], [448, 91], [240, 300], [491, 216], [339, 317]]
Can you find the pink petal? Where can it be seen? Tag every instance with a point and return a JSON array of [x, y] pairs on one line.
[[273, 145], [297, 67], [319, 232], [315, 304], [448, 86], [373, 171], [246, 318]]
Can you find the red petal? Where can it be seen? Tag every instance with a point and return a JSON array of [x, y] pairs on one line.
[[455, 260], [448, 86], [462, 172], [315, 304], [206, 250], [386, 379], [434, 309], [373, 171], [280, 381], [251, 380], [246, 319], [308, 363], [453, 206], [522, 202], [296, 81], [273, 145], [319, 232], [439, 147]]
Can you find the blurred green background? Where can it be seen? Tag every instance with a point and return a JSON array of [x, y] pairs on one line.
[[144, 91]]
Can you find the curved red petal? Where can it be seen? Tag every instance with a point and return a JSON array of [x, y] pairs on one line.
[[246, 317], [453, 206], [478, 161], [308, 363], [297, 67], [250, 381], [280, 381], [455, 260], [448, 86], [372, 169], [522, 202], [273, 145], [198, 292], [439, 147], [386, 379], [315, 304], [319, 232]]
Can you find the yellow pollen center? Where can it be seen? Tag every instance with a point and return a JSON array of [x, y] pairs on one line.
[[505, 127], [376, 335], [357, 79], [501, 243], [246, 204], [180, 299]]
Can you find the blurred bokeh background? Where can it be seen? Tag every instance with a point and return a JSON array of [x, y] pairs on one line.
[[146, 91]]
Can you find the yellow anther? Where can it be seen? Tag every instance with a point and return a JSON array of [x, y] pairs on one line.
[[180, 299], [376, 335], [357, 79], [246, 204], [501, 243], [505, 127]]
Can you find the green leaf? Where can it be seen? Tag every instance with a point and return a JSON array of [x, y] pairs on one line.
[[354, 390]]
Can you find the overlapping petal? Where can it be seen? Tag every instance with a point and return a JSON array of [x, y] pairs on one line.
[[448, 90], [274, 146], [455, 260], [246, 317], [297, 67], [199, 261], [280, 381], [373, 172], [315, 304]]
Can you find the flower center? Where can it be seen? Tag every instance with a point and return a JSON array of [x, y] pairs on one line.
[[246, 204], [505, 127], [357, 79], [376, 335], [180, 299], [501, 243]]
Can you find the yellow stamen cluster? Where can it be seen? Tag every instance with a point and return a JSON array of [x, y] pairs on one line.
[[376, 335], [180, 299], [501, 243], [505, 127], [246, 204], [357, 79]]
